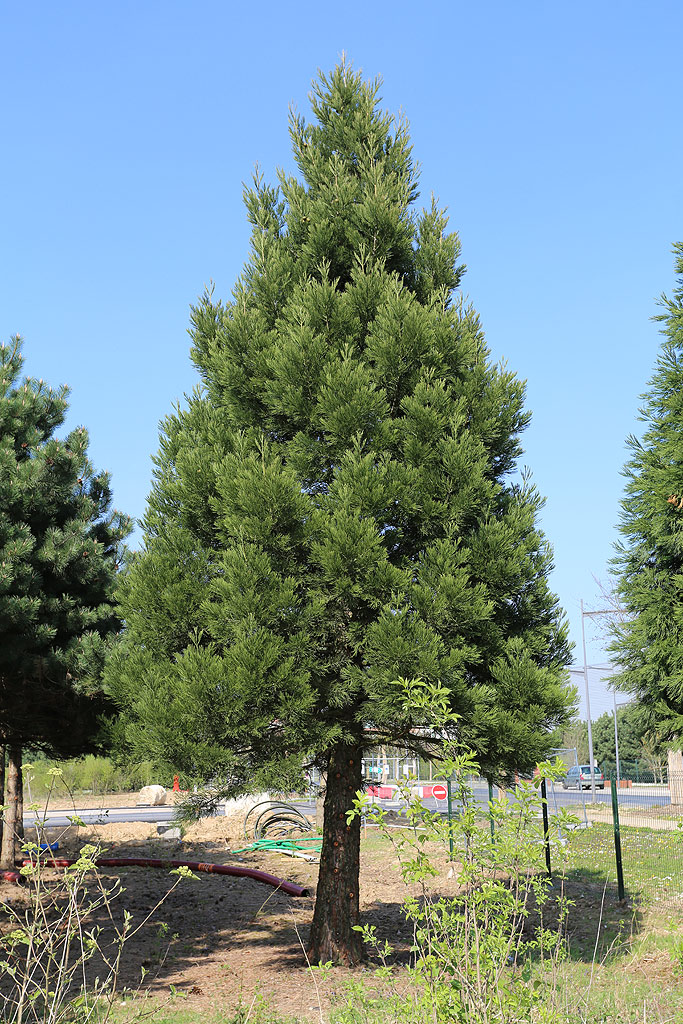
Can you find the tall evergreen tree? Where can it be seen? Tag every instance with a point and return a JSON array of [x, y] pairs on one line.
[[60, 548], [648, 644], [333, 509]]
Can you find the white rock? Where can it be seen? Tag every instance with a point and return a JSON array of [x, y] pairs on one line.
[[152, 796]]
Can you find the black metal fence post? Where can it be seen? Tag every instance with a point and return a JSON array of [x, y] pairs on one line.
[[450, 818], [617, 837], [546, 827], [493, 827]]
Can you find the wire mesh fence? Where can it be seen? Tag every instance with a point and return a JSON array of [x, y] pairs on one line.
[[648, 820], [635, 827], [636, 772], [638, 824]]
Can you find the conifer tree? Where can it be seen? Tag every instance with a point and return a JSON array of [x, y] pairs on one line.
[[334, 509], [60, 548], [648, 644], [632, 732]]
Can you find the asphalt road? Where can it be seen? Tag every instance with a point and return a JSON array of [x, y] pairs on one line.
[[644, 796], [640, 797], [571, 799], [100, 816], [574, 800]]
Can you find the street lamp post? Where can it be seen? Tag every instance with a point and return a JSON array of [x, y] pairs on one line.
[[621, 704], [592, 615], [591, 758], [616, 737]]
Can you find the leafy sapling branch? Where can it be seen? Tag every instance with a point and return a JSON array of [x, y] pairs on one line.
[[483, 951]]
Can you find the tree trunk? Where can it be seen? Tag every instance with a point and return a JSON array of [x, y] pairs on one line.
[[336, 903], [676, 777], [19, 828], [2, 784], [13, 824]]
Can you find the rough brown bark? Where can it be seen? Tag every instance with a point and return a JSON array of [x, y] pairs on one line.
[[13, 823], [676, 776], [19, 825], [2, 784], [337, 905]]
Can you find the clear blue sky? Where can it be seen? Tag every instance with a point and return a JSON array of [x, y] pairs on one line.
[[552, 131]]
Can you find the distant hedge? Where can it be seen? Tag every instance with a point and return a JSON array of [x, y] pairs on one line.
[[88, 774]]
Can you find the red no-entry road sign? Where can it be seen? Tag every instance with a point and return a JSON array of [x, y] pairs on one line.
[[439, 792]]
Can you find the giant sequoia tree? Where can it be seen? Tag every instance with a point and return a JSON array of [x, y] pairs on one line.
[[649, 562], [334, 507], [60, 548]]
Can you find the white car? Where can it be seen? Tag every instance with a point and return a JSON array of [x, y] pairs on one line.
[[579, 777]]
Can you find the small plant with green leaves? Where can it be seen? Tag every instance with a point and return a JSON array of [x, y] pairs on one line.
[[61, 952], [489, 953], [43, 957]]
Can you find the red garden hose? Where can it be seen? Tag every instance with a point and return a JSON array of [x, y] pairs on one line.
[[144, 862]]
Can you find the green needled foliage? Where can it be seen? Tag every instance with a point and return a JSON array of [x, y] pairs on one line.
[[649, 560], [60, 546], [640, 750], [334, 508]]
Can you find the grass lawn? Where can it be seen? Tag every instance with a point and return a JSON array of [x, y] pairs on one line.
[[652, 860], [625, 961]]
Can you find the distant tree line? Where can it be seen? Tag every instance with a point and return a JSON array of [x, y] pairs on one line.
[[642, 751]]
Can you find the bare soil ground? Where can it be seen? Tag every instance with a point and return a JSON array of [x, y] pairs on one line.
[[662, 819], [96, 801], [221, 939]]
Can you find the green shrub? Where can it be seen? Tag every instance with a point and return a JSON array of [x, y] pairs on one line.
[[487, 955], [89, 774]]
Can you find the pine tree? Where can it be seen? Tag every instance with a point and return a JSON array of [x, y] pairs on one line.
[[648, 645], [333, 509], [60, 548], [632, 731]]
